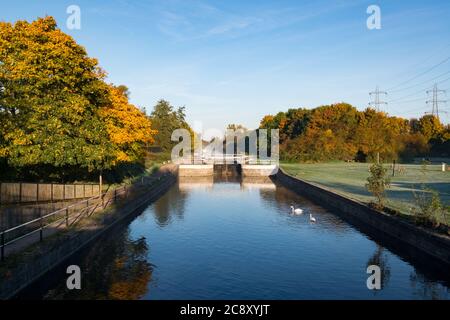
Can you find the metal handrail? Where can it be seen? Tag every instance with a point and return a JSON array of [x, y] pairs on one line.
[[3, 243]]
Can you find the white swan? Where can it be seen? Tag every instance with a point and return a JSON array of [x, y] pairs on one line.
[[311, 218], [296, 211]]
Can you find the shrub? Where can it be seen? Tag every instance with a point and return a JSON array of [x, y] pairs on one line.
[[377, 183], [430, 209]]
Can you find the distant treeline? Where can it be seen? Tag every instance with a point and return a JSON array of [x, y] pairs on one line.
[[341, 132]]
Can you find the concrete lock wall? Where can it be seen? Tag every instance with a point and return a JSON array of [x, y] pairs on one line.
[[194, 170], [22, 192], [259, 170], [199, 170], [429, 243]]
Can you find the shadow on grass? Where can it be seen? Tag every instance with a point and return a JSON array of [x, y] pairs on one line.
[[405, 195]]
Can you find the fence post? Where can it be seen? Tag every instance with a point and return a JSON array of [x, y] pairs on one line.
[[3, 246], [40, 225]]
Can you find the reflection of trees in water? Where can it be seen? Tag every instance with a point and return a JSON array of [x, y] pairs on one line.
[[426, 289], [380, 259], [173, 201], [282, 198], [13, 215], [114, 269]]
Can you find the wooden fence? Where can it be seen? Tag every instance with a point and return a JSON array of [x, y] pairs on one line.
[[21, 192]]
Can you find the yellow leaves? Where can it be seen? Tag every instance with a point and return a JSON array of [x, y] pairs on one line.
[[60, 111], [3, 152], [266, 120], [18, 138], [126, 124]]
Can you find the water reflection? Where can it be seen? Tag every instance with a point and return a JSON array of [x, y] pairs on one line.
[[282, 199], [185, 184], [170, 206], [13, 215], [380, 259], [212, 238], [423, 288], [116, 269]]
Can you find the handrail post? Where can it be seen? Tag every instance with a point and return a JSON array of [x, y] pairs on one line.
[[41, 236], [67, 217], [3, 246]]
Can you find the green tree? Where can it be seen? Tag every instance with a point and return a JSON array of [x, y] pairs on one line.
[[57, 113], [165, 119], [51, 94]]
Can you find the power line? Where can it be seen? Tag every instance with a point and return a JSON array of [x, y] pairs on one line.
[[435, 100], [408, 101], [418, 84], [377, 102], [422, 62], [420, 74], [418, 92], [408, 95]]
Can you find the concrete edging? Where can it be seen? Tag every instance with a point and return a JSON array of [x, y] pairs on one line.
[[194, 170], [259, 170], [426, 241]]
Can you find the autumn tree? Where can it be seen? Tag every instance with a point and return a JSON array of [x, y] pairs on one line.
[[341, 132], [52, 92], [54, 100], [430, 126], [329, 134], [128, 128], [440, 144]]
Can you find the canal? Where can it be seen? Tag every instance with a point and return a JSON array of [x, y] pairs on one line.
[[238, 240]]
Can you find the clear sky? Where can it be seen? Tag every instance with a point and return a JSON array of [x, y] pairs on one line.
[[234, 61]]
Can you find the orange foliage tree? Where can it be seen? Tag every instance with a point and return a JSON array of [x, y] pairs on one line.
[[341, 132], [128, 127], [57, 113]]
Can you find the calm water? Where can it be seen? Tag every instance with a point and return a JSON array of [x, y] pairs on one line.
[[237, 240]]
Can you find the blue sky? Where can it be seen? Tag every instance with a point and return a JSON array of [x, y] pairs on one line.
[[235, 61]]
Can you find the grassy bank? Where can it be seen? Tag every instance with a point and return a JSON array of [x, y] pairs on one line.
[[349, 179]]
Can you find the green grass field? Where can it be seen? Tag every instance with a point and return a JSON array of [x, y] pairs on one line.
[[349, 179]]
